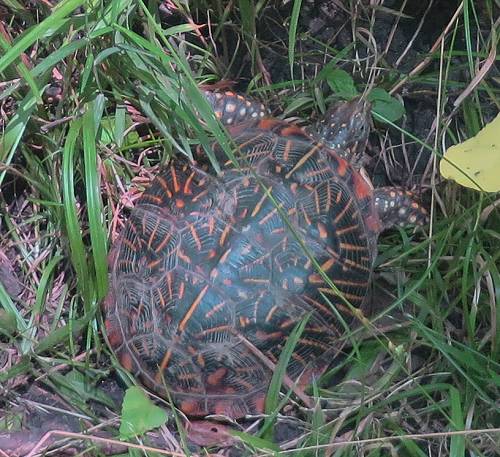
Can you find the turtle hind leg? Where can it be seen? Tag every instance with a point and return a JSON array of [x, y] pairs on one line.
[[398, 207], [233, 109]]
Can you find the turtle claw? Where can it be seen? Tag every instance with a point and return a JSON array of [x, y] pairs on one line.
[[398, 207]]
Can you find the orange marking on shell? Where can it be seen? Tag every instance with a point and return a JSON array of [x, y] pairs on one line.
[[163, 243], [314, 343], [244, 321], [129, 244], [258, 206], [292, 130], [352, 247], [183, 256], [315, 278], [200, 195], [328, 264], [306, 217], [361, 188], [268, 336], [182, 289], [169, 284], [351, 228], [126, 361], [187, 185], [211, 225], [323, 232], [342, 213], [270, 313], [230, 93], [224, 408], [114, 335], [195, 236], [216, 378], [154, 263], [218, 329], [286, 152], [200, 361], [212, 253], [353, 264], [174, 179], [350, 283], [324, 310], [157, 200], [215, 309], [162, 300], [227, 282], [268, 124], [341, 166], [192, 308], [346, 295], [256, 281], [299, 358], [163, 365], [180, 203], [164, 186], [224, 235], [328, 199], [260, 402], [269, 215], [189, 407], [303, 159]]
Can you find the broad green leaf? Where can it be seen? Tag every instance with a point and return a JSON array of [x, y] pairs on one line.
[[475, 163], [341, 83], [83, 385], [139, 414], [388, 107]]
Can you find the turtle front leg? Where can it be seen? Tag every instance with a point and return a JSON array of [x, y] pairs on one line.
[[398, 207]]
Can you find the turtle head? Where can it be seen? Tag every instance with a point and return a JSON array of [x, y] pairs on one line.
[[345, 128]]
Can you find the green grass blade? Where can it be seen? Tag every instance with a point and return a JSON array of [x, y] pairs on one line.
[[73, 230], [272, 398], [292, 34], [53, 22], [97, 228]]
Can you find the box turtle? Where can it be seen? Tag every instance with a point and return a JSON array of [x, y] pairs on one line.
[[211, 273]]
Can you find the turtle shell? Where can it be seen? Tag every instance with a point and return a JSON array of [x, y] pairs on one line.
[[212, 273]]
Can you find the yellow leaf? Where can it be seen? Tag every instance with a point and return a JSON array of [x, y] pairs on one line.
[[475, 163]]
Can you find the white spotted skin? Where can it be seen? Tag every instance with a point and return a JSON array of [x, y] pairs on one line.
[[397, 207], [234, 108]]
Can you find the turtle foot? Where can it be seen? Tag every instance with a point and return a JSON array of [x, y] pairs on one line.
[[398, 207]]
